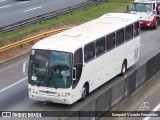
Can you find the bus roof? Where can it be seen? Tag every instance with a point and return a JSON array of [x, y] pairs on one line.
[[76, 37]]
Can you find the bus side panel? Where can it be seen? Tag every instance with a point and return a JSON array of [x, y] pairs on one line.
[[105, 67]]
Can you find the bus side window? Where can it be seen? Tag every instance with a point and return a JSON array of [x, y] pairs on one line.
[[100, 46], [78, 63], [136, 29], [89, 51], [119, 37], [129, 32], [110, 41]]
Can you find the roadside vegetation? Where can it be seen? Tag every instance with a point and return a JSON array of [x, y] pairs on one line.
[[76, 18]]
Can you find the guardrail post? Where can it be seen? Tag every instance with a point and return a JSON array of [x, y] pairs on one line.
[[56, 16], [124, 88], [20, 23], [21, 45], [40, 21], [32, 42], [110, 96], [84, 6], [127, 7], [71, 10], [1, 30]]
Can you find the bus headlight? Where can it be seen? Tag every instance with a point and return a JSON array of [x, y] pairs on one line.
[[64, 94], [32, 90]]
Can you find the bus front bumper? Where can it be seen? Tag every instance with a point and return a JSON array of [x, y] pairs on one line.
[[47, 98]]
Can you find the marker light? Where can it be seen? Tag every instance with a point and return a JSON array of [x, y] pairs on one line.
[[32, 90], [64, 94]]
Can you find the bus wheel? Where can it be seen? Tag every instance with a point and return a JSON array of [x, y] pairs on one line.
[[84, 92], [124, 67]]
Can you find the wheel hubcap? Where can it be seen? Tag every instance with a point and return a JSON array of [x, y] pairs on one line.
[[83, 92], [124, 69]]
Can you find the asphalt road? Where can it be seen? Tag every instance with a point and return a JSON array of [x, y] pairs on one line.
[[13, 84], [12, 11]]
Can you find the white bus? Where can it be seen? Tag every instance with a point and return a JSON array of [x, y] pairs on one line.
[[65, 67]]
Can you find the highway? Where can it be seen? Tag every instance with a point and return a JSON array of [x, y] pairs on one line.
[[12, 11], [13, 84]]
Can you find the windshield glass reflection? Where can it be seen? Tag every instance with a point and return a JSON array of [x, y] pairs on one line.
[[142, 7], [50, 68]]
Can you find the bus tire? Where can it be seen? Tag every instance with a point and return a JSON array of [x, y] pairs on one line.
[[124, 67], [84, 92]]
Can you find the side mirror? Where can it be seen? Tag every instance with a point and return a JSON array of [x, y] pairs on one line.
[[25, 68], [74, 73]]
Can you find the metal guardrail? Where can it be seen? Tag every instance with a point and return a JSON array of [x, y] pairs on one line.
[[31, 39], [50, 15]]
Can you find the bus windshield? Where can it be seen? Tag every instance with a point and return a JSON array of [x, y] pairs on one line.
[[142, 7], [50, 69]]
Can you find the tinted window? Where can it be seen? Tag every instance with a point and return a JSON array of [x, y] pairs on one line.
[[129, 32], [78, 56], [136, 29], [119, 37], [78, 65], [110, 41], [89, 51], [100, 46]]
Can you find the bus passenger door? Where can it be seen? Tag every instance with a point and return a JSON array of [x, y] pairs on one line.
[[77, 66]]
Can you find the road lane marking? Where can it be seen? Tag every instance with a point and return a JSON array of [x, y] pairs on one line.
[[155, 109], [13, 84], [5, 6], [33, 9], [23, 2]]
